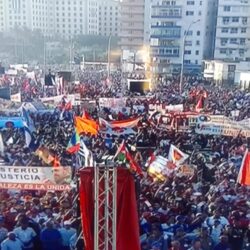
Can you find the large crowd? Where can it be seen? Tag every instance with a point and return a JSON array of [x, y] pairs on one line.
[[205, 211]]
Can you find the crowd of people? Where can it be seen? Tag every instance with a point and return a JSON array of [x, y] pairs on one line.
[[205, 211]]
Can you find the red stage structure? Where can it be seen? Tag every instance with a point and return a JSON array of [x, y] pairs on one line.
[[108, 209]]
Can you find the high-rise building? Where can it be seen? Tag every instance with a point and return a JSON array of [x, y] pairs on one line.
[[233, 30], [65, 18], [109, 17], [2, 19], [181, 32], [132, 25]]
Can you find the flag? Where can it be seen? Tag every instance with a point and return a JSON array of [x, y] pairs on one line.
[[74, 144], [44, 154], [85, 115], [176, 156], [244, 174], [68, 106], [199, 105], [86, 126], [1, 144], [86, 155], [29, 122], [56, 162], [28, 135], [130, 123], [122, 155]]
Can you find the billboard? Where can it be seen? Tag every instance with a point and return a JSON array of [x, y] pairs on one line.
[[35, 178]]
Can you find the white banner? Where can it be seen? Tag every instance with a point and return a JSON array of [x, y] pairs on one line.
[[35, 178], [112, 103], [175, 108], [208, 128]]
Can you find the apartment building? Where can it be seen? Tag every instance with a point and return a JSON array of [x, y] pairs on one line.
[[109, 17], [132, 25], [232, 41], [65, 18], [181, 32]]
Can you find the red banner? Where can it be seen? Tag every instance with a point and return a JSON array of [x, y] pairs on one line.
[[127, 216]]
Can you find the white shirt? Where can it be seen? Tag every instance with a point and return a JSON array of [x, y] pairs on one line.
[[11, 245], [25, 236]]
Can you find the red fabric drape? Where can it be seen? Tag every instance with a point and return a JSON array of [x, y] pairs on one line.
[[127, 216]]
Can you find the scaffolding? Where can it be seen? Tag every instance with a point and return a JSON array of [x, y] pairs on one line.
[[105, 184]]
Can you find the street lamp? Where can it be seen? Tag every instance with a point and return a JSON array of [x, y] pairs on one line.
[[183, 52], [109, 47]]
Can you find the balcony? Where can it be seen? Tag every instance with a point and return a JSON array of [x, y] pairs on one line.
[[166, 32], [165, 51]]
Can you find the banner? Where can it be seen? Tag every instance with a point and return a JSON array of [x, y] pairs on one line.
[[175, 108], [112, 103], [16, 97], [74, 99], [208, 128], [35, 178]]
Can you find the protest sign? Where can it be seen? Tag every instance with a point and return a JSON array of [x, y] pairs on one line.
[[35, 178], [161, 168], [175, 108], [16, 97]]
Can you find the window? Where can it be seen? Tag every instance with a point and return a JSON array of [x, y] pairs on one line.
[[224, 30], [189, 33], [243, 30], [223, 51], [189, 13], [190, 2], [197, 52], [244, 20], [234, 30], [187, 52], [233, 41], [242, 41], [223, 41], [198, 33], [197, 42], [225, 20], [235, 20], [227, 8]]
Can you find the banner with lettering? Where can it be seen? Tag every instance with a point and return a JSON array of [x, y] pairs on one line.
[[112, 103], [35, 178], [209, 128]]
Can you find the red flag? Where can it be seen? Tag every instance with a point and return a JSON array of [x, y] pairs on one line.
[[199, 105], [56, 162], [244, 174], [68, 106], [85, 115]]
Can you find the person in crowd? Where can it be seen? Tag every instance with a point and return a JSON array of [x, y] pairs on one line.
[[26, 235], [51, 238], [11, 243], [67, 232]]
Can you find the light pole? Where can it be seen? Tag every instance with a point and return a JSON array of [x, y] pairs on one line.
[[183, 52], [109, 47]]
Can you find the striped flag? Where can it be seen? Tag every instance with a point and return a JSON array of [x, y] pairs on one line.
[[86, 156]]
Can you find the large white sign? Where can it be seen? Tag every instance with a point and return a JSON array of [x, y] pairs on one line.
[[35, 178]]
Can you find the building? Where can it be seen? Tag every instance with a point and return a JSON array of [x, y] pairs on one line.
[[132, 25], [109, 17], [181, 32], [65, 18], [229, 73], [233, 30]]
